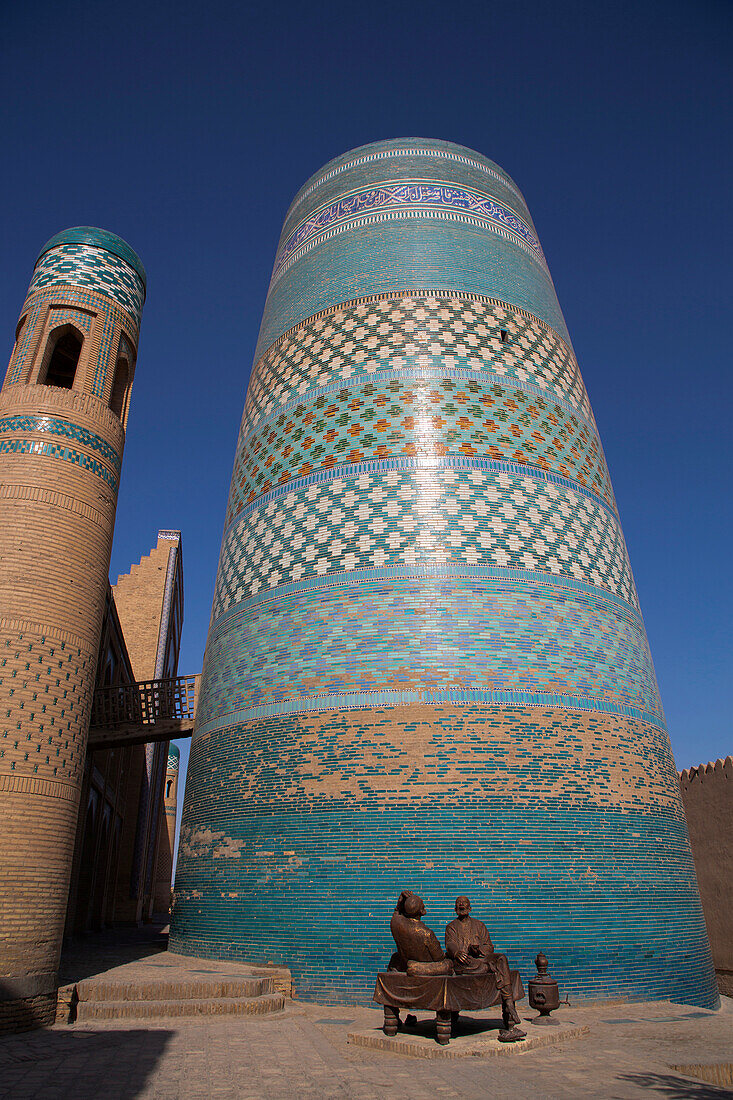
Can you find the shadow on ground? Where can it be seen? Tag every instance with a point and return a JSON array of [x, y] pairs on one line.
[[465, 1026], [676, 1088], [96, 952], [53, 1063]]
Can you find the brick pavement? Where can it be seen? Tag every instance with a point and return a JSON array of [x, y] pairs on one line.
[[628, 1052]]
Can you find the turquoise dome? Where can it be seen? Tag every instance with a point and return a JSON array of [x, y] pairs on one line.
[[97, 238]]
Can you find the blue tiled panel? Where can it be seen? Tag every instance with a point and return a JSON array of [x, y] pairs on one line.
[[54, 425], [413, 158], [466, 338], [426, 664], [426, 635], [415, 253], [456, 514], [295, 876]]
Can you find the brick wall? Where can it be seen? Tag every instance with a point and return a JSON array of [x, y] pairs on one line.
[[707, 795]]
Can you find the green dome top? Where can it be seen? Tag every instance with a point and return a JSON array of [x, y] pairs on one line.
[[173, 750], [97, 238]]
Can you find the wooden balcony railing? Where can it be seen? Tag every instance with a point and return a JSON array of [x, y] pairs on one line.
[[150, 710]]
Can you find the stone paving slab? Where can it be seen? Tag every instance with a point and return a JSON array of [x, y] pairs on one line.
[[628, 1053], [476, 1038]]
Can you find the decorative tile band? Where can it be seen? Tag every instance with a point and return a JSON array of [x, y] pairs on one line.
[[93, 268], [425, 372], [421, 418], [422, 332], [427, 634], [440, 154], [425, 572], [370, 699], [414, 296], [56, 426], [54, 450], [425, 463], [417, 517], [424, 199]]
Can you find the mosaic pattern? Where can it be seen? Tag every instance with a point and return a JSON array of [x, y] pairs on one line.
[[426, 634], [55, 426], [55, 450], [421, 517], [45, 733], [426, 664], [424, 198], [383, 154], [97, 238], [80, 319], [419, 418], [416, 336], [83, 266]]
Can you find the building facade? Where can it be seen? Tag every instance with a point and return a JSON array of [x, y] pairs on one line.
[[123, 855], [63, 409], [426, 665], [149, 601]]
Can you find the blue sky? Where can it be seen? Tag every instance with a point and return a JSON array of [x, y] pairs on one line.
[[187, 129]]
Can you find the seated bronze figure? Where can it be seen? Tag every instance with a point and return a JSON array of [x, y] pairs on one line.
[[421, 975], [418, 948], [468, 944]]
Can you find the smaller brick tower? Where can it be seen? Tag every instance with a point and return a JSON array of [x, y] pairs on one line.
[[63, 409]]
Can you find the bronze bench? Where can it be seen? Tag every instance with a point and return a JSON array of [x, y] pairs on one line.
[[446, 995]]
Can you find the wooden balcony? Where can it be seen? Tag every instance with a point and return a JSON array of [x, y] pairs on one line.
[[152, 710]]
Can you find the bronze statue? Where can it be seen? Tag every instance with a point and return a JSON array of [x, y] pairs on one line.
[[468, 944], [418, 948]]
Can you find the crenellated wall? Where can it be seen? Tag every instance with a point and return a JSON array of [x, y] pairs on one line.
[[707, 795]]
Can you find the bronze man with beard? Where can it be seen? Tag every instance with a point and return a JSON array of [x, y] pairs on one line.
[[468, 944]]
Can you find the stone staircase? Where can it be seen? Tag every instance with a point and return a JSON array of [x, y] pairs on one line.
[[167, 986]]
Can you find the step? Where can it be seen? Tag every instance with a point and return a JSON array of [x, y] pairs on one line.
[[176, 989], [210, 1006]]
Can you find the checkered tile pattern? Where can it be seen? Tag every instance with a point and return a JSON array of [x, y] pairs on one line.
[[428, 419], [421, 517], [67, 454], [83, 266], [422, 333]]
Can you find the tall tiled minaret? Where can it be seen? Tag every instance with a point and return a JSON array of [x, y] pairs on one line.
[[63, 409], [426, 664]]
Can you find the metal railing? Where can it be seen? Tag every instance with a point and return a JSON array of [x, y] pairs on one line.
[[145, 703]]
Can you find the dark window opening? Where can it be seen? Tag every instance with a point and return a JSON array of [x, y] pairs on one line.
[[168, 786], [62, 367], [504, 336], [119, 387]]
